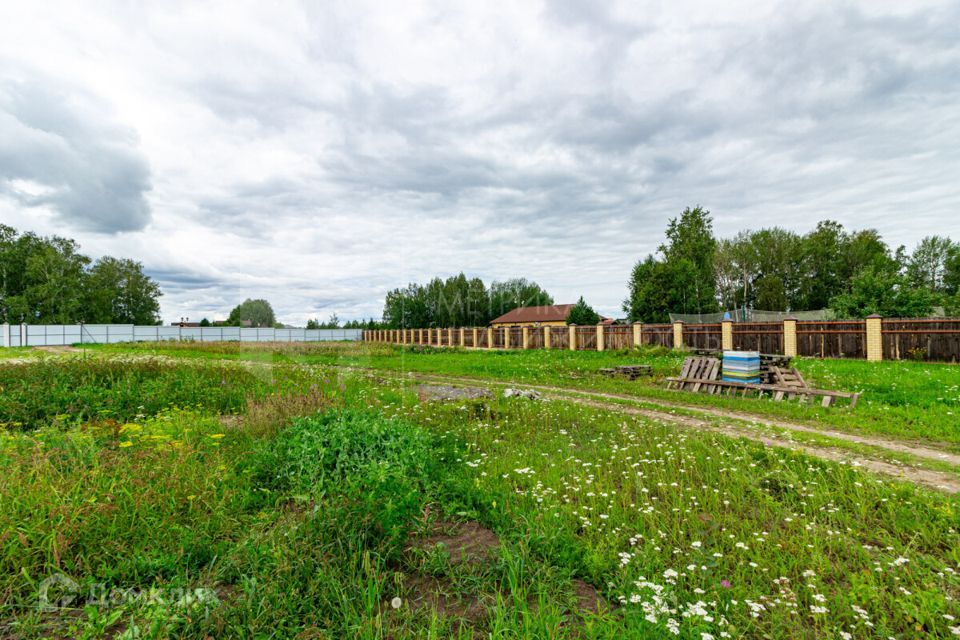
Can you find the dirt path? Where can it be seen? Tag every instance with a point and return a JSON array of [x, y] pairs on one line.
[[918, 451], [938, 480]]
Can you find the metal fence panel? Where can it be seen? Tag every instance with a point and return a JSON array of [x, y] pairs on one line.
[[52, 335]]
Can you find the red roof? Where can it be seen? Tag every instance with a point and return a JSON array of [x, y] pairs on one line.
[[547, 313]]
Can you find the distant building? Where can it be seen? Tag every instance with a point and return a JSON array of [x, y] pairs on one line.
[[184, 324], [547, 315]]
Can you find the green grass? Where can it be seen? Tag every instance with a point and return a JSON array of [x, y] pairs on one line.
[[905, 400], [75, 390], [582, 488], [301, 516], [10, 353]]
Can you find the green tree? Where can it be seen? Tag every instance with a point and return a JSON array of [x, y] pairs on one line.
[[650, 292], [930, 262], [685, 281], [951, 271], [689, 254], [582, 314], [332, 323], [882, 291], [458, 301], [48, 281], [258, 313], [55, 281], [822, 256], [514, 293], [117, 291], [770, 293]]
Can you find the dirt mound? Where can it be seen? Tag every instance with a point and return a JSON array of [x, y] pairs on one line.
[[426, 593], [587, 597], [465, 542]]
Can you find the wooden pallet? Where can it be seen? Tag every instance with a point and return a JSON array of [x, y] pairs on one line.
[[699, 370], [629, 371], [703, 373]]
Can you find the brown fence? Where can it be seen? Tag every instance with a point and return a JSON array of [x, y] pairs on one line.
[[874, 338], [535, 338], [657, 334], [834, 339], [559, 338], [765, 337], [922, 339], [702, 336], [618, 337], [587, 338]]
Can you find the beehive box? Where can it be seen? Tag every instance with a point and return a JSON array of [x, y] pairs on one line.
[[741, 366]]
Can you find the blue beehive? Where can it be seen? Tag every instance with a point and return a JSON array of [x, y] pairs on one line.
[[741, 366]]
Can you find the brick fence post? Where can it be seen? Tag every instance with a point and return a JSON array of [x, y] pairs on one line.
[[726, 335], [525, 333], [678, 334], [790, 337], [463, 336], [637, 334], [600, 336], [573, 337], [546, 337], [506, 337], [489, 337], [874, 338], [476, 334]]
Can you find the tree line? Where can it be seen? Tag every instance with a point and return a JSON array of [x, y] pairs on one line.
[[852, 273], [458, 301], [48, 281]]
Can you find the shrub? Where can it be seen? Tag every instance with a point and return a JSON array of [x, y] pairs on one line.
[[372, 470]]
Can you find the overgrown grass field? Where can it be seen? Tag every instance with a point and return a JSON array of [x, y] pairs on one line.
[[286, 495], [908, 400]]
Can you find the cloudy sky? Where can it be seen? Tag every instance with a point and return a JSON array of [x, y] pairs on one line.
[[319, 154]]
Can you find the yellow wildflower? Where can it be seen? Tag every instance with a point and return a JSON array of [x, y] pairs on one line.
[[126, 443]]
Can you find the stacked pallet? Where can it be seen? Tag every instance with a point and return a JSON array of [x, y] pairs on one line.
[[629, 371], [703, 374], [767, 364]]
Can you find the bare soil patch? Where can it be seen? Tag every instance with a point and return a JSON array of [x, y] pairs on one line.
[[588, 599], [465, 542], [59, 349], [425, 593], [428, 392]]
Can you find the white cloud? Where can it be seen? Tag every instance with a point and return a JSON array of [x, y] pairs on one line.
[[318, 155]]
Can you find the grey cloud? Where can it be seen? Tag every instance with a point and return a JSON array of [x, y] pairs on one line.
[[389, 172], [88, 168]]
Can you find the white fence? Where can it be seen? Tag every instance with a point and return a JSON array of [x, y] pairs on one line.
[[49, 335]]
